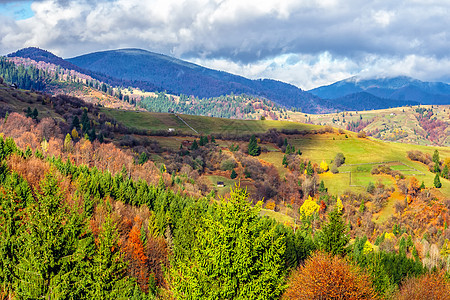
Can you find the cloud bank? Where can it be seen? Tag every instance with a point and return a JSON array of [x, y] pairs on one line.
[[307, 43]]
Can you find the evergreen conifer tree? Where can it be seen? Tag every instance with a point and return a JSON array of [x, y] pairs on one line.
[[253, 148], [194, 145], [51, 265], [445, 171], [333, 237], [234, 256], [422, 186], [437, 182]]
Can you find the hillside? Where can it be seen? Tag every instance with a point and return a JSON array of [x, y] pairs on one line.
[[400, 88], [422, 125], [154, 176]]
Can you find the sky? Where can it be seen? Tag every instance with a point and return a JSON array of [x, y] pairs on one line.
[[307, 43]]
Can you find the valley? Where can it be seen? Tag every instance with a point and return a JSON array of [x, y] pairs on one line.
[[139, 159]]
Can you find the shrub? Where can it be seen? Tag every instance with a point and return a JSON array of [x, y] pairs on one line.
[[228, 165], [324, 276], [334, 169], [362, 134], [339, 159], [371, 188]]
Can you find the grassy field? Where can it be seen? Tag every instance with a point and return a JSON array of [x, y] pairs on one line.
[[221, 191], [275, 158], [205, 125], [358, 151], [280, 217], [398, 123]]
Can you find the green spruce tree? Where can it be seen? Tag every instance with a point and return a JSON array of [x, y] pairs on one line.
[[333, 237], [437, 182], [51, 266], [253, 148], [234, 257]]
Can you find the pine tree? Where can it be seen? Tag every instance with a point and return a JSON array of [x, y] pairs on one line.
[[29, 113], [437, 182], [35, 114], [445, 172], [309, 169], [85, 122], [16, 193], [436, 157], [143, 158], [333, 237], [194, 145], [233, 174], [76, 122], [51, 265], [253, 148], [422, 186], [322, 187], [234, 256], [285, 163]]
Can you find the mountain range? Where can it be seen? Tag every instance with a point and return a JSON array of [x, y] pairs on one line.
[[157, 72], [400, 88]]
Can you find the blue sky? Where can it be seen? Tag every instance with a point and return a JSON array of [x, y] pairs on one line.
[[304, 42], [19, 10]]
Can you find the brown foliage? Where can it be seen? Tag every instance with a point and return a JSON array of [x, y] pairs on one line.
[[48, 128], [362, 134], [146, 254], [417, 155], [429, 286], [33, 170], [329, 277], [16, 124], [157, 253]]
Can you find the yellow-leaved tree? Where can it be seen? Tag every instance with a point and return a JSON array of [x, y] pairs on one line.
[[309, 207], [339, 204], [324, 166]]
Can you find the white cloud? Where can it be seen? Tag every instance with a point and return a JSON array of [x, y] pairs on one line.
[[307, 43]]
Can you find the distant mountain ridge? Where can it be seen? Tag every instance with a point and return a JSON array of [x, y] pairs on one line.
[[156, 72], [400, 88], [367, 101], [181, 77]]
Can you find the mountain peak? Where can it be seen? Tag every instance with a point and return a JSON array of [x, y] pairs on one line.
[[33, 52]]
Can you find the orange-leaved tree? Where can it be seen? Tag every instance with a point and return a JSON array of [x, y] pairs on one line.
[[429, 286], [324, 276]]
